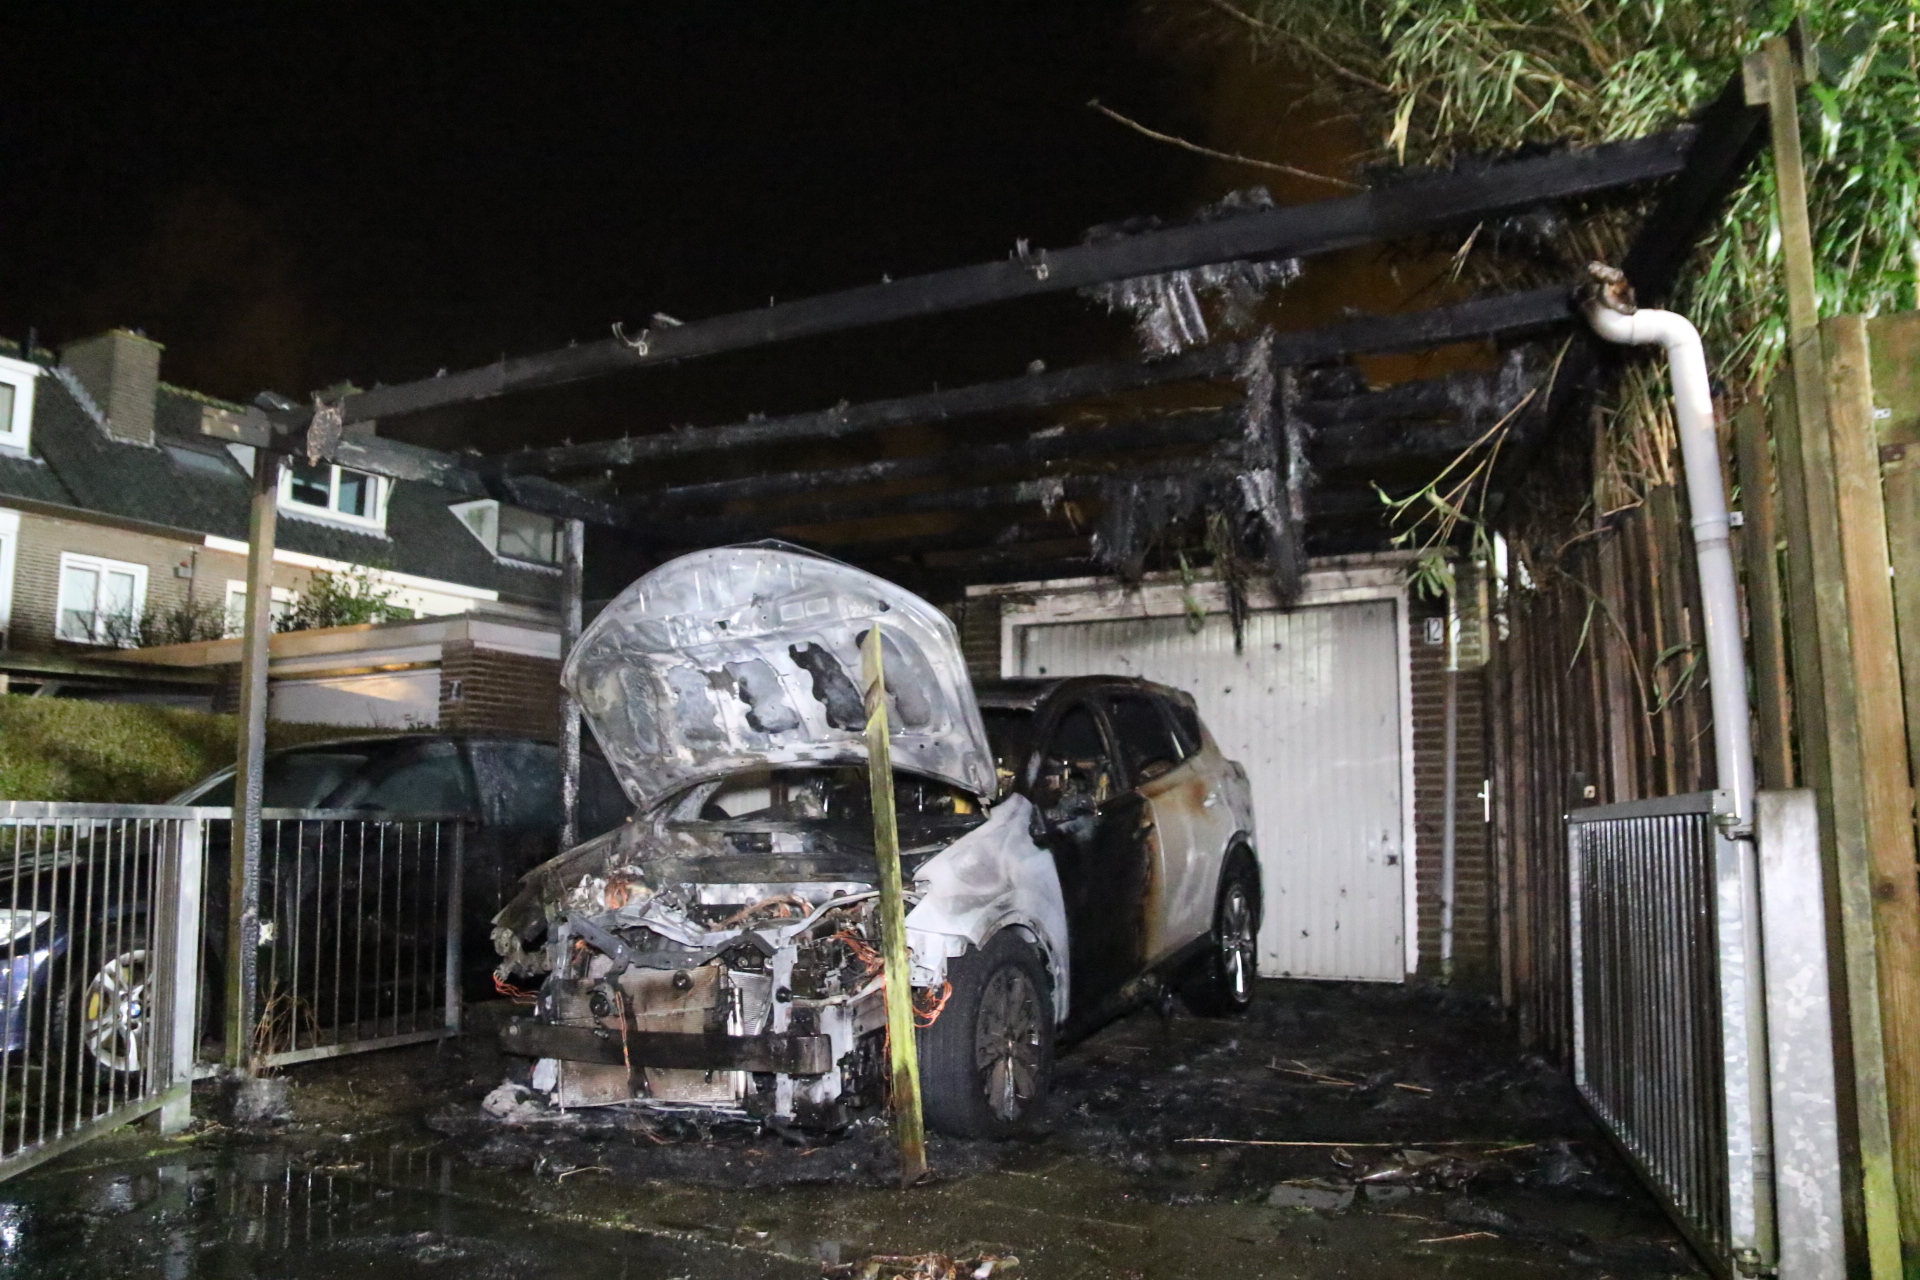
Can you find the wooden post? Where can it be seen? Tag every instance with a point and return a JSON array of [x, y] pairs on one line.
[[1828, 706], [909, 1130], [1886, 794], [573, 548], [1759, 538], [249, 768]]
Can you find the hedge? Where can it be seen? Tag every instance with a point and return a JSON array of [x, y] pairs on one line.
[[119, 752]]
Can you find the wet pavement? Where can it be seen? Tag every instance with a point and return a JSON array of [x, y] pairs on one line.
[[1338, 1130]]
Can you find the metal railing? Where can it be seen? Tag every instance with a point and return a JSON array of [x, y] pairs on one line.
[[99, 909], [113, 943], [1669, 1022], [359, 932]]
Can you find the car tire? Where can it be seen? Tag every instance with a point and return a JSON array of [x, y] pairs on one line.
[[105, 1010], [1221, 985], [986, 1063]]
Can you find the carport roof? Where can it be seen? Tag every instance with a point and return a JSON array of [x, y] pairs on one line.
[[1273, 430]]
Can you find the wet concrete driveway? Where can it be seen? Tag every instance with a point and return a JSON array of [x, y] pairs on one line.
[[1338, 1130]]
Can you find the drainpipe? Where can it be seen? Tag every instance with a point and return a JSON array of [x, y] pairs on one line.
[[1615, 318], [1450, 806]]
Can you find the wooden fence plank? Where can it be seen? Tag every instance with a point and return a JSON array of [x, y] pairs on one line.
[[1885, 793], [1759, 538]]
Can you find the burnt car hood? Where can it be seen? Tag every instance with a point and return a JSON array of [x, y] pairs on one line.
[[746, 656]]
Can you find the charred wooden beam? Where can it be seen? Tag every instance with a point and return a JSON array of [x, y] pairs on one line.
[[1456, 395], [1462, 322], [1030, 391], [1428, 203], [960, 539], [1201, 427]]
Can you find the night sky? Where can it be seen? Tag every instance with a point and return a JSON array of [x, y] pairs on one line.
[[304, 195]]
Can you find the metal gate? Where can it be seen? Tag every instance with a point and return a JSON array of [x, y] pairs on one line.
[[100, 913], [113, 920], [1700, 1012], [359, 932]]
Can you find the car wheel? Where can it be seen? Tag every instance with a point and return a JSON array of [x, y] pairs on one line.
[[104, 1010], [1223, 984], [987, 1061]]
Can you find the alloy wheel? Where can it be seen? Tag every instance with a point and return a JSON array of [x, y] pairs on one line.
[[1007, 1042], [1237, 944], [113, 1013]]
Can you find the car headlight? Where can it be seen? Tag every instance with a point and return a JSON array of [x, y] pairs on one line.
[[17, 922]]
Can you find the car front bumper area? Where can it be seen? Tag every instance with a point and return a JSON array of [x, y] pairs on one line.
[[800, 1055]]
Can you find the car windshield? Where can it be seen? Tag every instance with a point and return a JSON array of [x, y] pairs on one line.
[[294, 779], [1010, 734], [835, 795]]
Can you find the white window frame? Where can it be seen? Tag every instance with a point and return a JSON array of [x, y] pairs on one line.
[[282, 600], [331, 513], [102, 566], [16, 428], [481, 518], [9, 551]]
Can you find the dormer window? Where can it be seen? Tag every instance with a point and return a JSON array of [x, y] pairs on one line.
[[324, 491], [16, 404], [511, 533]]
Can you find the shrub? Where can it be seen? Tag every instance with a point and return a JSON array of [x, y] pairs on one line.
[[119, 752]]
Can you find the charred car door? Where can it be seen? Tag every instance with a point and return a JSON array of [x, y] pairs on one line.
[[1186, 812], [1100, 833]]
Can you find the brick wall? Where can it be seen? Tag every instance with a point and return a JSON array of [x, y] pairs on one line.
[[36, 585], [1473, 875], [978, 620], [487, 689]]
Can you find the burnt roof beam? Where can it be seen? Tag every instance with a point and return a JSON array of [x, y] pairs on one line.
[[1427, 203]]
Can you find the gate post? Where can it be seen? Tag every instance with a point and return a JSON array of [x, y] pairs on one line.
[[175, 1037], [249, 769]]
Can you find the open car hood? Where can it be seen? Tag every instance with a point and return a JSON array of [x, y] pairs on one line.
[[741, 657]]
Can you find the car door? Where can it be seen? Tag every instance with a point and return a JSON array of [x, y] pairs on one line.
[[1099, 831], [1185, 868]]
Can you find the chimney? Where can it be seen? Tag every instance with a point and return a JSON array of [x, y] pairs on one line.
[[121, 371]]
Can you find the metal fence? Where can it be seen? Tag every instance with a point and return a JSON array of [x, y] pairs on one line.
[[99, 912], [1669, 1020], [113, 948], [359, 932]]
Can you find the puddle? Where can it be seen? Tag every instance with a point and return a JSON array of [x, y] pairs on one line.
[[262, 1216]]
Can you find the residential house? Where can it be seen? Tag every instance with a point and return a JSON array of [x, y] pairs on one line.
[[123, 525]]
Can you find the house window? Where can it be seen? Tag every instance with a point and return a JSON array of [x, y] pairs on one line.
[[100, 600], [332, 492], [511, 533], [16, 404], [280, 606], [527, 536]]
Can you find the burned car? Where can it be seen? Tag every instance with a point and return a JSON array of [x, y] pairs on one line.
[[1068, 848]]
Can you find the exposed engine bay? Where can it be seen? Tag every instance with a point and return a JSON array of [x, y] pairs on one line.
[[723, 952]]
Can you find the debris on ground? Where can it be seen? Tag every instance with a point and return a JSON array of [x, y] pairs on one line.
[[924, 1266]]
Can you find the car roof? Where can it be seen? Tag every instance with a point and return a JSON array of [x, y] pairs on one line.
[[1026, 694]]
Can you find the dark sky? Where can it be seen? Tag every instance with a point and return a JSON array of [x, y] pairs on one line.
[[288, 195]]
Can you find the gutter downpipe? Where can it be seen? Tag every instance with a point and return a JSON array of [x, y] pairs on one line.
[[1449, 830], [1614, 317]]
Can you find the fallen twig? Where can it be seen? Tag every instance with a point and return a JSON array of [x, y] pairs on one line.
[[1412, 1088], [1209, 152], [583, 1168], [1274, 1142], [1464, 1235]]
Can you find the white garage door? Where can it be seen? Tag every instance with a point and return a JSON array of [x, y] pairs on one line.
[[1311, 708]]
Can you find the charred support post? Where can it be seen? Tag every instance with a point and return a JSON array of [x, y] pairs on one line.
[[572, 577], [1271, 484], [243, 880], [909, 1129]]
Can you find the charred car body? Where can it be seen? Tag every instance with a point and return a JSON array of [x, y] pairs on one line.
[[1080, 844]]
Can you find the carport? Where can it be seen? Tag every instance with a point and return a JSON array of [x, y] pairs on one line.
[[1219, 517]]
